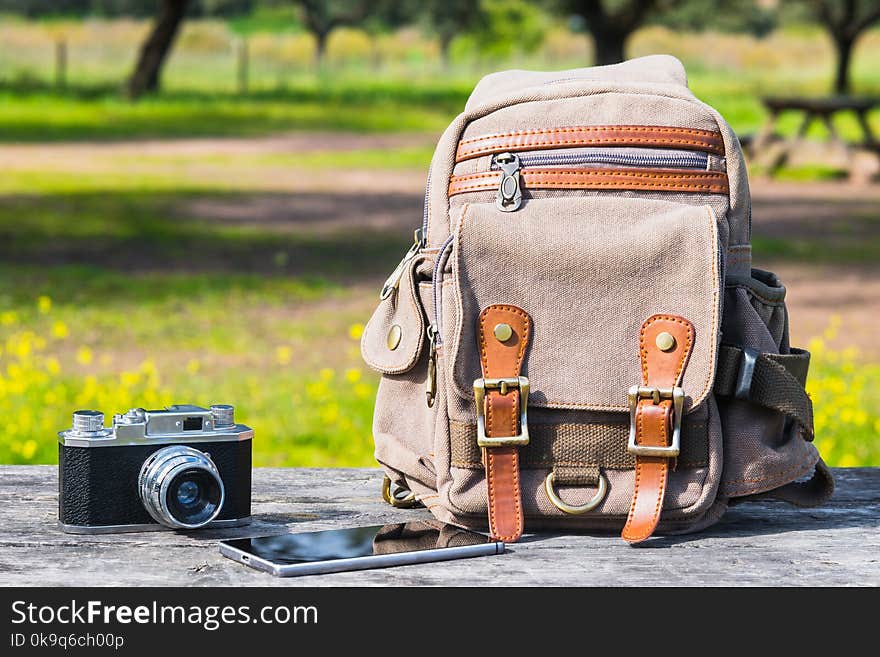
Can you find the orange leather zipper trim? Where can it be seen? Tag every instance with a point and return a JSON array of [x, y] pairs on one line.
[[659, 180], [644, 136]]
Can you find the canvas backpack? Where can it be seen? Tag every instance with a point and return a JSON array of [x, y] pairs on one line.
[[577, 338]]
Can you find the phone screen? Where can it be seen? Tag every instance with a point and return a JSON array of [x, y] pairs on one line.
[[333, 544]]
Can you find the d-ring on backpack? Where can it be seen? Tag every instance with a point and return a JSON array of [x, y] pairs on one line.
[[577, 338]]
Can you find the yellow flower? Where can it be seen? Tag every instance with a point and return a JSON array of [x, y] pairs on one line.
[[84, 355], [329, 413], [352, 375], [8, 317], [283, 354], [23, 348], [317, 390], [355, 331], [52, 365], [44, 304], [193, 366], [327, 374], [29, 448], [59, 330]]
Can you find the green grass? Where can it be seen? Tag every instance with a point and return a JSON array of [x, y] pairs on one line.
[[847, 237], [801, 173], [368, 159], [42, 117]]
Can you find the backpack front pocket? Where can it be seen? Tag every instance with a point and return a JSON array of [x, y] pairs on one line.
[[589, 272]]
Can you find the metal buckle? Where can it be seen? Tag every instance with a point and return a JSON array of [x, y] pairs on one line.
[[503, 385], [636, 394], [746, 373]]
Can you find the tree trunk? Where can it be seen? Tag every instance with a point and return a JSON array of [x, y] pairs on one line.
[[60, 64], [445, 41], [321, 38], [608, 47], [155, 49], [844, 49]]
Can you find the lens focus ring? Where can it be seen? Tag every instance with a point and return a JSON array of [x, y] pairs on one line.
[[181, 488]]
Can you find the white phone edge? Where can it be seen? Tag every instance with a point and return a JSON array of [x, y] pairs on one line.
[[361, 563]]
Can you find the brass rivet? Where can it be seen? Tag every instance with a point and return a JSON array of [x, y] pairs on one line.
[[503, 332], [394, 335], [665, 341]]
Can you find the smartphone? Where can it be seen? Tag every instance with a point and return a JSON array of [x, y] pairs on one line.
[[358, 548]]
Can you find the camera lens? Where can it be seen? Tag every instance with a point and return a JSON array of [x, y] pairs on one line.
[[181, 487], [187, 493]]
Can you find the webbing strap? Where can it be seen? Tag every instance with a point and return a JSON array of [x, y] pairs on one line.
[[774, 381]]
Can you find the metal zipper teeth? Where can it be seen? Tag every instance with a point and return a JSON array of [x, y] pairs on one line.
[[439, 264], [425, 209], [681, 161]]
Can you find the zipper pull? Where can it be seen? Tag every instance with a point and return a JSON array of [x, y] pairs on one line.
[[431, 383], [509, 196], [393, 281]]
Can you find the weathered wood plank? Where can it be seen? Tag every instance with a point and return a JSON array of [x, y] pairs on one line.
[[763, 543]]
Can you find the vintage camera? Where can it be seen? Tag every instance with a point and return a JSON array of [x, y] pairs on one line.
[[183, 467]]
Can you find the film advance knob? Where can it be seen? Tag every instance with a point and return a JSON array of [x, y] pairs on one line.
[[224, 415], [88, 421]]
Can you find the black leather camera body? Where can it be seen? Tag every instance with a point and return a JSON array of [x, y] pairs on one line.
[[183, 467]]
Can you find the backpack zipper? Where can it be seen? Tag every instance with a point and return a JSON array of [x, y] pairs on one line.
[[393, 281], [677, 160], [434, 339], [425, 209], [509, 195]]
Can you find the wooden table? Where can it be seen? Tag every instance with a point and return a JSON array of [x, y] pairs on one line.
[[813, 109], [764, 543]]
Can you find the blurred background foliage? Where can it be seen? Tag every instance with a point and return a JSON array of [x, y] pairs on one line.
[[127, 278]]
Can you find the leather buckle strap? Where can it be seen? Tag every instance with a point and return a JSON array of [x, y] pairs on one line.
[[656, 409], [501, 397], [502, 385], [639, 393]]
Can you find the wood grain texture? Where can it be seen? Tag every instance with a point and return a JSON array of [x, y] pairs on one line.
[[756, 543]]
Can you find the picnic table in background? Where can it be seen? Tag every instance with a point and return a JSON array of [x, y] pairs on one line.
[[814, 109]]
